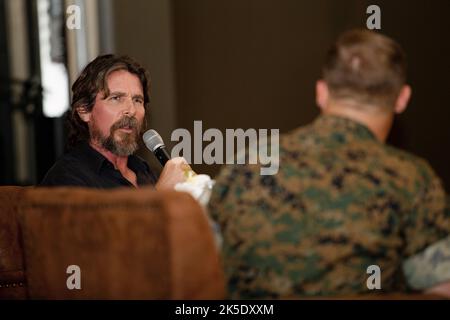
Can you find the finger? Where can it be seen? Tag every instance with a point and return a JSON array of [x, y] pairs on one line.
[[178, 160], [186, 167]]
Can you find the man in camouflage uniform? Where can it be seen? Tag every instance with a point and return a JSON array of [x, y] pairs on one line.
[[342, 199]]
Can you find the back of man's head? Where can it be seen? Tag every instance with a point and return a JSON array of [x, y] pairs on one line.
[[365, 67]]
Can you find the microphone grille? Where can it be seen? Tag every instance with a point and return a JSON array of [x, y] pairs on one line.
[[152, 140]]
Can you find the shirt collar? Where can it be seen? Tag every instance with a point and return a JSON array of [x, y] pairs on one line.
[[95, 160], [338, 125]]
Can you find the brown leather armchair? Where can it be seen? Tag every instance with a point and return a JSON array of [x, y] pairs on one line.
[[128, 244]]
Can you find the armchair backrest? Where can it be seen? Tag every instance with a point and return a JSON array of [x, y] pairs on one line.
[[12, 277], [119, 244]]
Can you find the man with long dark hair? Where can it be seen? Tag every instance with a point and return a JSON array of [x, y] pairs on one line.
[[110, 99]]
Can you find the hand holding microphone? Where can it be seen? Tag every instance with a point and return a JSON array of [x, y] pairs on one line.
[[177, 174]]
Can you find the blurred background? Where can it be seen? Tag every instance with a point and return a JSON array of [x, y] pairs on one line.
[[230, 63]]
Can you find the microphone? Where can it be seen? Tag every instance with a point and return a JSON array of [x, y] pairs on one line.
[[155, 144]]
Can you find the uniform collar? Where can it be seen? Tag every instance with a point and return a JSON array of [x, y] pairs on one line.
[[338, 124]]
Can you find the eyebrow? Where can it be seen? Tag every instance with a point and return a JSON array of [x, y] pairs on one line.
[[138, 96], [123, 94], [116, 93]]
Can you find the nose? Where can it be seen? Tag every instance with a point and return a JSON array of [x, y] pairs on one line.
[[130, 109]]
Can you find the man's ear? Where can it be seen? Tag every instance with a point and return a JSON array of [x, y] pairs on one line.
[[84, 114], [322, 94], [403, 99]]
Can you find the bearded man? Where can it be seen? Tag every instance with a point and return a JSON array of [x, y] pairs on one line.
[[110, 98]]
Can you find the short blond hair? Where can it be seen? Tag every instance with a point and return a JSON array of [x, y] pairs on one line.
[[367, 67]]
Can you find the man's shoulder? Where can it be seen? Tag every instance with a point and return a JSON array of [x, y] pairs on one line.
[[67, 170], [307, 138], [298, 135], [419, 167], [71, 158]]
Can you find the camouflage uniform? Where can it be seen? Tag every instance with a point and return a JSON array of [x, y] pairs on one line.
[[341, 201]]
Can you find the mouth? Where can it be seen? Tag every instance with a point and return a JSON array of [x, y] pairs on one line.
[[127, 129]]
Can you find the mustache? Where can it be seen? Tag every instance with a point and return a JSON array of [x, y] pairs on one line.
[[126, 122]]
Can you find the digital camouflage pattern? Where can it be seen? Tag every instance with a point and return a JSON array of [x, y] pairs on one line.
[[430, 267], [341, 201]]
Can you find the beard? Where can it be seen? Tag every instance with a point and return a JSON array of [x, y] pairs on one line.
[[120, 143]]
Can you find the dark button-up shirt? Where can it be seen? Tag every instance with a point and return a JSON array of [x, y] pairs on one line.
[[84, 166]]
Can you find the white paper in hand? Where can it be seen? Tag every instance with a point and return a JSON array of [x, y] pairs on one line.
[[199, 186]]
